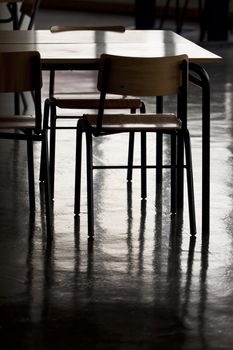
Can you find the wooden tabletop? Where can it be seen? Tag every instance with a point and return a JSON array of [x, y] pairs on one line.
[[85, 47]]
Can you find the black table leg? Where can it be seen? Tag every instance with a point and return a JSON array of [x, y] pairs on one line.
[[201, 79]]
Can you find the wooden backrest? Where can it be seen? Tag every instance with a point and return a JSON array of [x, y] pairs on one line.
[[57, 29], [20, 72], [28, 7], [137, 76]]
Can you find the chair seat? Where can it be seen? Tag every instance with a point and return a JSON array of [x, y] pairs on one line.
[[136, 122], [17, 122], [91, 101]]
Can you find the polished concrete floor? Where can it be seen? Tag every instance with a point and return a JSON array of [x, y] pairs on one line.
[[142, 283]]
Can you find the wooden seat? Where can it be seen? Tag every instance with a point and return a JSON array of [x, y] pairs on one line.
[[91, 101], [166, 76], [85, 100], [21, 72]]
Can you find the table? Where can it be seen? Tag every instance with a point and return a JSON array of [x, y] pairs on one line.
[[85, 47], [81, 50]]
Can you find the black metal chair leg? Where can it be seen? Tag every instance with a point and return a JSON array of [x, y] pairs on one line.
[[131, 145], [90, 197], [143, 166], [51, 83], [31, 180], [173, 174], [159, 157], [130, 156], [48, 197], [159, 144], [180, 172], [78, 168], [45, 127], [191, 202], [52, 147]]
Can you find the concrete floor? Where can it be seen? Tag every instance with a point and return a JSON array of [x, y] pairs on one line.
[[143, 283]]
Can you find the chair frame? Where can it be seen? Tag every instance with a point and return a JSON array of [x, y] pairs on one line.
[[180, 137], [53, 102], [28, 8], [28, 128]]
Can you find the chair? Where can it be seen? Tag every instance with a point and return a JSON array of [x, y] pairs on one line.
[[140, 77], [180, 13], [84, 100], [21, 72], [28, 9]]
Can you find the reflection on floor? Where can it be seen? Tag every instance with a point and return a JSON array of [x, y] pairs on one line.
[[143, 283]]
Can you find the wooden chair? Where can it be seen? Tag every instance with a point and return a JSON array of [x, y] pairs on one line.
[[27, 9], [80, 101], [21, 72], [140, 77]]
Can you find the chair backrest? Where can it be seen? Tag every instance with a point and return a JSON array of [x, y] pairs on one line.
[[137, 76], [21, 72], [140, 76], [57, 29], [28, 8]]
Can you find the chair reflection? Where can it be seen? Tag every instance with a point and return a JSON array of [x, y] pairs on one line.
[[81, 293]]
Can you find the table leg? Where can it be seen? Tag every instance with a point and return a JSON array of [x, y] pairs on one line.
[[201, 79]]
